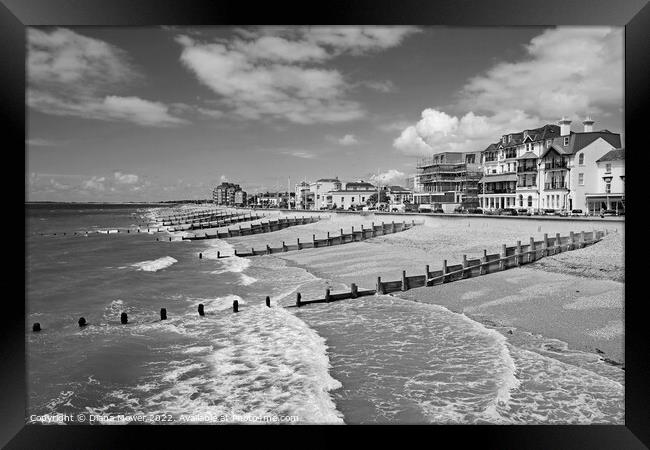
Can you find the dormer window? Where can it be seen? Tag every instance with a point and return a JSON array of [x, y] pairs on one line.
[[566, 141], [503, 139], [548, 142], [510, 138]]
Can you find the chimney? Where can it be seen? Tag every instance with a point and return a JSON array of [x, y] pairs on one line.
[[565, 126], [589, 124]]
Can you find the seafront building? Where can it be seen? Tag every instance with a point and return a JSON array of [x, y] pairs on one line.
[[397, 195], [354, 193], [447, 181], [228, 194], [321, 189]]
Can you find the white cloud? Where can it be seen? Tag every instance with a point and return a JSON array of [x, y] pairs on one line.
[[95, 183], [125, 178], [74, 75], [390, 177], [272, 72], [348, 139], [567, 72], [299, 154], [385, 86], [437, 131]]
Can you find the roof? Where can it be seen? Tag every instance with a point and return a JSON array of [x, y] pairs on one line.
[[398, 189], [618, 154], [499, 178], [547, 131], [358, 184], [528, 155], [578, 141], [328, 180]]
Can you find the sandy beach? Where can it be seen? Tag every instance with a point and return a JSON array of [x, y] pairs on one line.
[[573, 298]]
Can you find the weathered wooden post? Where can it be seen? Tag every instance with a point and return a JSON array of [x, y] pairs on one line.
[[82, 322], [582, 239], [163, 313], [426, 274], [353, 290], [558, 243], [362, 233], [200, 255], [392, 227], [298, 302], [313, 240], [502, 263], [124, 318], [329, 241], [284, 247], [235, 252], [532, 256], [373, 234], [252, 251], [483, 268], [518, 259], [380, 287], [170, 238], [268, 249], [201, 311], [545, 244], [36, 327], [235, 306], [464, 263], [572, 240], [327, 295], [298, 242], [268, 301], [444, 270]]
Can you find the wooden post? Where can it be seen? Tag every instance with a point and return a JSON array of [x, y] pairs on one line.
[[82, 322], [392, 227], [582, 239], [572, 240], [380, 288], [235, 306], [284, 247], [483, 269], [201, 312], [163, 313], [36, 327], [201, 255], [329, 241], [444, 270], [533, 255], [502, 263], [353, 290], [373, 230], [268, 301], [462, 274], [558, 243], [124, 318], [545, 247], [298, 302], [298, 242], [327, 295], [518, 258], [313, 239], [426, 273], [268, 249]]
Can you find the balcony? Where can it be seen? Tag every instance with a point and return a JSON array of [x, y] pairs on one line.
[[527, 187], [526, 169], [555, 165], [499, 191], [555, 185]]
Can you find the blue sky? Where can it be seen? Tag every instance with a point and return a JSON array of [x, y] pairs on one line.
[[145, 114]]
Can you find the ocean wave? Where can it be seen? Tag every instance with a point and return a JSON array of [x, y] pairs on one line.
[[156, 264]]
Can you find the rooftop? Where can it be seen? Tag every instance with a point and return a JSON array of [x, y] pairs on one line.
[[618, 154]]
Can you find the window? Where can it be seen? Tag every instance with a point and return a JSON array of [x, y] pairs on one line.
[[530, 201], [503, 139], [608, 187], [342, 199], [363, 199], [581, 179], [548, 142], [581, 158], [566, 141], [352, 200], [608, 168]]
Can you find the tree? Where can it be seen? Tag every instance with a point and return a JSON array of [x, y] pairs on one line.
[[373, 198]]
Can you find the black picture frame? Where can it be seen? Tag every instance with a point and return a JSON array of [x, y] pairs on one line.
[[15, 15]]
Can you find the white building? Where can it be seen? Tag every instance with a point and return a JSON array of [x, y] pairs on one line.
[[354, 193], [320, 191], [607, 189]]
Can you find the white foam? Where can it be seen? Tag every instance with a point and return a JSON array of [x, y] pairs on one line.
[[156, 264], [246, 280]]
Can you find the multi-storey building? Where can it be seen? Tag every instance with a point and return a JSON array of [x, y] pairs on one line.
[[240, 198], [224, 194], [448, 180], [303, 198], [353, 194], [320, 190], [546, 168], [510, 169], [607, 189], [397, 195]]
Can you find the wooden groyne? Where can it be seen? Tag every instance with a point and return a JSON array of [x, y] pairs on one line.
[[197, 220], [229, 220], [271, 225], [342, 238], [510, 257]]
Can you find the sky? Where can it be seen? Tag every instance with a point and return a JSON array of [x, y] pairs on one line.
[[168, 113]]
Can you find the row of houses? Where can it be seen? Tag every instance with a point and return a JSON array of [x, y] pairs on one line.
[[331, 193], [550, 167]]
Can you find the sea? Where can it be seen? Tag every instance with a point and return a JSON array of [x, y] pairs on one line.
[[377, 359]]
